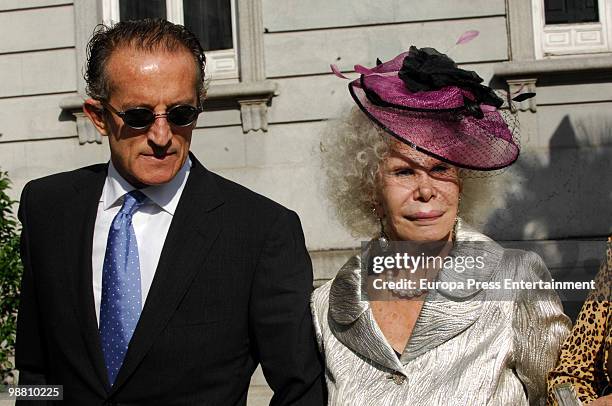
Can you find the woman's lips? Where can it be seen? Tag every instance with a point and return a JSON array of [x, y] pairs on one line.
[[426, 216]]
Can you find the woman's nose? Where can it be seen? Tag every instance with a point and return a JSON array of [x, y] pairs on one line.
[[424, 190]]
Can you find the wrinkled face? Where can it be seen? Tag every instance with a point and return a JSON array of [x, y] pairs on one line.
[[157, 80], [418, 196]]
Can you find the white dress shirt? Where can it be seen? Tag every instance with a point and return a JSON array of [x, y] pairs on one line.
[[151, 223]]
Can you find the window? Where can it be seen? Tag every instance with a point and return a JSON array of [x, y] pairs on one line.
[[570, 11], [212, 21], [569, 27]]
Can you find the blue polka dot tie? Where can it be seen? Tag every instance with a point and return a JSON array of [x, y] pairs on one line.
[[121, 294]]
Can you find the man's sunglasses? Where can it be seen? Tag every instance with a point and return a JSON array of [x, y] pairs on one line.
[[140, 118]]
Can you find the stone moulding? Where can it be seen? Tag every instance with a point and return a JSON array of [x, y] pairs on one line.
[[87, 133], [524, 75], [252, 98]]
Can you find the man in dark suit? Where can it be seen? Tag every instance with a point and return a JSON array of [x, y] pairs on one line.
[[150, 280]]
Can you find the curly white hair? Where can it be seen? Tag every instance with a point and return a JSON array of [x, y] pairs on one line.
[[352, 150]]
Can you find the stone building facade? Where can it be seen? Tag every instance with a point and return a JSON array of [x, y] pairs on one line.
[[262, 128]]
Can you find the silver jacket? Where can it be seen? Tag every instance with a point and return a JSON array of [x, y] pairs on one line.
[[466, 348]]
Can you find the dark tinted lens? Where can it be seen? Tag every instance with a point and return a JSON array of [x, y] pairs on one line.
[[138, 117], [182, 115]]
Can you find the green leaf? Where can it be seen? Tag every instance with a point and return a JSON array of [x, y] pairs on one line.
[[10, 277]]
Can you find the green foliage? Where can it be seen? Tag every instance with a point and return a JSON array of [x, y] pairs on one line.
[[10, 277]]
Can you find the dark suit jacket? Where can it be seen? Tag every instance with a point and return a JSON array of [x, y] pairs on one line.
[[231, 290]]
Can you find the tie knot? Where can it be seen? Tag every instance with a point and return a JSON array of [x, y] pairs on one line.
[[132, 201]]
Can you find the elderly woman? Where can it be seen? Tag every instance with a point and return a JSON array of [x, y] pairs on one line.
[[395, 170]]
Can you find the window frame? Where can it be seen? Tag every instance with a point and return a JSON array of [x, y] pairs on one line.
[[221, 65], [251, 94], [558, 40]]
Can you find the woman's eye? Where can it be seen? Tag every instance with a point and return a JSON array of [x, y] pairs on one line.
[[404, 172], [439, 168]]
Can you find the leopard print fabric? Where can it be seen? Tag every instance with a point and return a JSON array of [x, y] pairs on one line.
[[585, 354]]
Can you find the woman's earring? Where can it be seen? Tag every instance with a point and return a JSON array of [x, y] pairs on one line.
[[383, 239], [454, 230]]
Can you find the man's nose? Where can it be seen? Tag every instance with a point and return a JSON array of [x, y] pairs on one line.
[[160, 132]]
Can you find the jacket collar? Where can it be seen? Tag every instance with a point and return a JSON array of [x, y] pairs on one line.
[[444, 315]]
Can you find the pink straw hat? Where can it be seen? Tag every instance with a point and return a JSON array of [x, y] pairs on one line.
[[423, 99]]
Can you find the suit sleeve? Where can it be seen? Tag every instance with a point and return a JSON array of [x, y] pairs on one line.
[[280, 318], [29, 350], [540, 326]]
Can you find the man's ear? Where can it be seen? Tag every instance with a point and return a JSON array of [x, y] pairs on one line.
[[94, 110]]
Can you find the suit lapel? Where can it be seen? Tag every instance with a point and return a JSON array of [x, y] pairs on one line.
[[353, 324], [444, 315], [351, 320], [194, 228], [79, 221], [440, 320]]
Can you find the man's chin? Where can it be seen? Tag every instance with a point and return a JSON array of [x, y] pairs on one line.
[[155, 171], [154, 176]]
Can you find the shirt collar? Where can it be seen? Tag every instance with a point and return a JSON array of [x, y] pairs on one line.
[[166, 195]]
